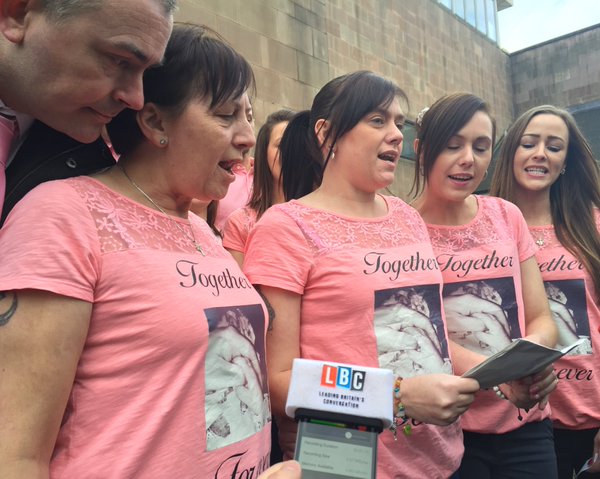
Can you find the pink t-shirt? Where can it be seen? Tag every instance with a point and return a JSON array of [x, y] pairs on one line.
[[570, 291], [172, 379], [483, 301], [237, 196], [237, 227], [370, 296]]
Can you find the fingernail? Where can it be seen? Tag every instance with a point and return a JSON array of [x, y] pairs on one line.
[[291, 466]]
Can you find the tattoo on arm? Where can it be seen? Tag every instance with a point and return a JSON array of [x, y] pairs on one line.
[[270, 309], [8, 306]]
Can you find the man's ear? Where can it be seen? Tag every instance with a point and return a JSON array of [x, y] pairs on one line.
[[15, 17], [151, 120]]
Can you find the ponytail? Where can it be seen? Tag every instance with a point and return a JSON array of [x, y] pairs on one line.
[[301, 158]]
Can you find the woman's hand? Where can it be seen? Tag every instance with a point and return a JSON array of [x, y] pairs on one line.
[[531, 390], [595, 467], [283, 470], [437, 398]]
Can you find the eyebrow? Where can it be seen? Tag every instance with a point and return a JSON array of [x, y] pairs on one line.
[[381, 111], [551, 137], [482, 137], [135, 51]]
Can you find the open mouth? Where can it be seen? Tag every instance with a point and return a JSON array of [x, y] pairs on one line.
[[388, 156], [227, 165], [536, 170], [463, 177]]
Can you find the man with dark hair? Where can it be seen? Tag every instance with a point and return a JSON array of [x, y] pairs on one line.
[[72, 65]]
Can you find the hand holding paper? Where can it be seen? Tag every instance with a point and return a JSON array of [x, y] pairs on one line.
[[519, 360]]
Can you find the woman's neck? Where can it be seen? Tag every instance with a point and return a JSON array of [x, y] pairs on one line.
[[141, 177], [278, 196], [535, 206], [448, 213], [344, 200]]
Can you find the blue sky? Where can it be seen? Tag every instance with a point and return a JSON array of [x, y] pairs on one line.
[[529, 22]]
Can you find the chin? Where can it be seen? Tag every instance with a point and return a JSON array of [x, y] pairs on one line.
[[83, 134]]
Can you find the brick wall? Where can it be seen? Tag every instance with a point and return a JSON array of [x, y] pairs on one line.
[[564, 72], [296, 46]]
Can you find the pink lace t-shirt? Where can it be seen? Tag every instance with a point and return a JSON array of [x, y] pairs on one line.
[[481, 266], [370, 296], [237, 228], [171, 382], [574, 305]]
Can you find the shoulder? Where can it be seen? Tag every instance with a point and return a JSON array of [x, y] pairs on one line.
[[494, 204], [244, 215]]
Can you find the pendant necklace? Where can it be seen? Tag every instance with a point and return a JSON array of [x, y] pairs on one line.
[[540, 241], [191, 238]]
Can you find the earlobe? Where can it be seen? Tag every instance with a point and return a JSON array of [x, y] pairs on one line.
[[14, 19], [152, 123]]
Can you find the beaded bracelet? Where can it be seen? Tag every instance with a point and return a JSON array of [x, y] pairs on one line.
[[499, 393], [400, 418]]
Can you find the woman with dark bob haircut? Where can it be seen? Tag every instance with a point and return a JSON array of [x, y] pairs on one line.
[[267, 188], [352, 278], [148, 340], [492, 288], [547, 168]]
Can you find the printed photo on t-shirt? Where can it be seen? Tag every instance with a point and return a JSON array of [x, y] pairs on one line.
[[482, 316], [237, 397], [569, 310], [410, 333]]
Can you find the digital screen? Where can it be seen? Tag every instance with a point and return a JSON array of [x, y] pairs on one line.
[[330, 452]]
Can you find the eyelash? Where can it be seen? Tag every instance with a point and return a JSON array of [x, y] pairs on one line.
[[553, 149], [479, 149]]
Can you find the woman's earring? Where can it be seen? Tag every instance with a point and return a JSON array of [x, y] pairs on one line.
[[485, 174], [562, 172], [163, 141]]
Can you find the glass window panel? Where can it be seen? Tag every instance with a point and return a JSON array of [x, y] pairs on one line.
[[491, 19], [446, 3], [480, 10], [470, 12], [458, 7]]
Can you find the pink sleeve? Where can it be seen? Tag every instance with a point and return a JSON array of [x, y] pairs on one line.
[[526, 245], [277, 253], [235, 231], [49, 242]]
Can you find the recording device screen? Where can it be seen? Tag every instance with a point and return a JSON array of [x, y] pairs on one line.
[[336, 450]]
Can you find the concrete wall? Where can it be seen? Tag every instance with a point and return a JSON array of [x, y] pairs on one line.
[[296, 46], [564, 72]]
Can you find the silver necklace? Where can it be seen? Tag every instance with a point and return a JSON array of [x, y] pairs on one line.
[[540, 241], [191, 238]]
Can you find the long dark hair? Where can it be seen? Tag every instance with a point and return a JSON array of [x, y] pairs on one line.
[[197, 64], [444, 119], [573, 195], [263, 189], [343, 102]]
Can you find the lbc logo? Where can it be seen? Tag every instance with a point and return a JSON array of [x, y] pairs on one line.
[[342, 377]]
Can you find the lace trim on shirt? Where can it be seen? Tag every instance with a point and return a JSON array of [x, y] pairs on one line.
[[325, 230], [123, 224], [545, 236], [490, 225]]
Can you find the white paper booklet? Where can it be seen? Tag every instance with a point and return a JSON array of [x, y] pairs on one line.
[[521, 358]]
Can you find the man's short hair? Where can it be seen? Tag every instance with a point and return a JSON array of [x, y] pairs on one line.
[[62, 9]]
